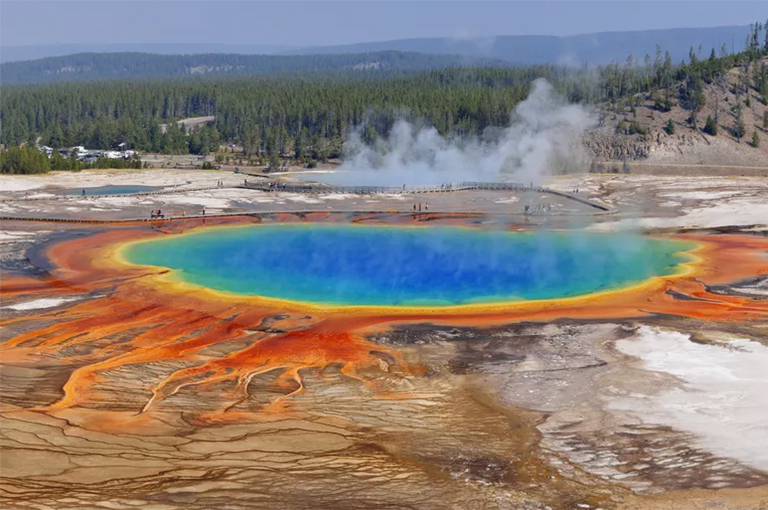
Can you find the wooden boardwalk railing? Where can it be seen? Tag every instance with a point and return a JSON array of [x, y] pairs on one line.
[[310, 188], [313, 188]]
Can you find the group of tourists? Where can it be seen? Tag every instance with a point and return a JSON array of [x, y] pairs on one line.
[[158, 214], [538, 208], [278, 185], [426, 207]]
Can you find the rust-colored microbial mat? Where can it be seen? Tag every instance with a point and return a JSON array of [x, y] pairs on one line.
[[150, 394]]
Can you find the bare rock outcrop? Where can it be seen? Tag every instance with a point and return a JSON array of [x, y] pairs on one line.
[[616, 147]]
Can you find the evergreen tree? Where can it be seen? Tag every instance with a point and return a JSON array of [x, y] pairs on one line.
[[24, 160], [755, 139], [692, 96], [739, 129], [273, 161], [196, 145], [711, 126], [370, 135], [670, 127], [310, 114]]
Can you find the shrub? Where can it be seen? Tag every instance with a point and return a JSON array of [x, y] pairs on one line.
[[663, 105], [635, 128]]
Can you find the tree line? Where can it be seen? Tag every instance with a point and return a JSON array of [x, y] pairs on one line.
[[307, 116], [28, 159], [83, 67]]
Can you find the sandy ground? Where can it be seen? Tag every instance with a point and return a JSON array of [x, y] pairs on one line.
[[643, 200], [10, 185], [233, 200], [674, 202]]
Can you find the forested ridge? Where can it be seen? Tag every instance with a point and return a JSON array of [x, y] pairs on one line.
[[308, 115], [84, 67]]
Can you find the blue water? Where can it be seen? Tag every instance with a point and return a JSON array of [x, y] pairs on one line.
[[383, 265], [112, 190]]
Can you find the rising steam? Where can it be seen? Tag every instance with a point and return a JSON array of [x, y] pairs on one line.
[[543, 139]]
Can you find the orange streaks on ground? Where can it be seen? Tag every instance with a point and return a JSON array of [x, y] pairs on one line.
[[188, 338]]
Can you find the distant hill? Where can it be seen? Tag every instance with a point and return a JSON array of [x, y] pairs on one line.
[[109, 66], [18, 53], [597, 48]]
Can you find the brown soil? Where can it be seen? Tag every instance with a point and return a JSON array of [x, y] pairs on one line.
[[688, 146]]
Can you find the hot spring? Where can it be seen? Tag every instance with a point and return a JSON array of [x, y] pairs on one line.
[[407, 266]]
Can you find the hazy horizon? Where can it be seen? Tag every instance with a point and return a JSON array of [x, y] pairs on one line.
[[320, 23]]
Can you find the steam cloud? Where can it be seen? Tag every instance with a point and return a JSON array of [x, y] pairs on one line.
[[543, 138]]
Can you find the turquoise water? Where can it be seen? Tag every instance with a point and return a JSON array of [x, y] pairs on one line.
[[383, 265], [113, 190]]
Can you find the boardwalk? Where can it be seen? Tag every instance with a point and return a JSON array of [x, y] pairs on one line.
[[393, 190], [309, 188]]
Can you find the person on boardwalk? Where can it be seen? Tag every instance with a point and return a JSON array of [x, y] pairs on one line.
[[83, 192], [414, 207], [426, 206], [419, 206], [203, 210]]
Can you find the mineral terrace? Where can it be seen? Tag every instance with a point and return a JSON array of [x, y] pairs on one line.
[[120, 393]]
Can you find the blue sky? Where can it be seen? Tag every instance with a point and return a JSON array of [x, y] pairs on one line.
[[312, 23]]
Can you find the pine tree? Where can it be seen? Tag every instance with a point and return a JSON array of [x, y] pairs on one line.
[[765, 46], [670, 127], [739, 129], [273, 161], [755, 139], [711, 126]]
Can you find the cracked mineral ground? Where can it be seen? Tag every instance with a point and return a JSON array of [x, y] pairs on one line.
[[125, 388]]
